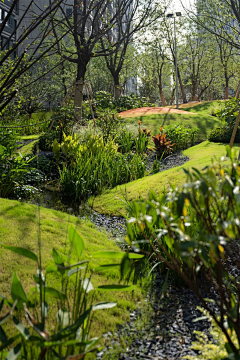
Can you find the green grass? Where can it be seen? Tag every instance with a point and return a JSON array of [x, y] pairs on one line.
[[205, 123], [202, 119], [200, 156], [19, 227], [28, 137], [204, 108]]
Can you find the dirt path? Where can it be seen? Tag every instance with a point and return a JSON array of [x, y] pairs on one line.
[[152, 110]]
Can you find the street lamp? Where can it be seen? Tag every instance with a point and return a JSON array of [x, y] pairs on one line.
[[178, 13]]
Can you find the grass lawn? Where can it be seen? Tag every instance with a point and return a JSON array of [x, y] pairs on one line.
[[200, 156], [202, 119], [19, 227], [204, 108], [205, 123]]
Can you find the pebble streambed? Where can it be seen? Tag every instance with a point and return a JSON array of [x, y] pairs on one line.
[[169, 330]]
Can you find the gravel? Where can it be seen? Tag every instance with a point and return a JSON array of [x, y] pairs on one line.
[[169, 330]]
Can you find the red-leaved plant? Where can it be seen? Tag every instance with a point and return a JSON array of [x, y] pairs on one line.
[[163, 146]]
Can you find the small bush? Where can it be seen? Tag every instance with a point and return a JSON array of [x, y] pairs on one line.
[[181, 136], [163, 146], [223, 134], [64, 120]]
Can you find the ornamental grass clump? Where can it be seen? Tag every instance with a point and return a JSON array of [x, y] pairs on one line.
[[194, 231], [95, 166]]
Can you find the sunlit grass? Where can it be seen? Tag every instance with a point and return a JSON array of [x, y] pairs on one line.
[[112, 202]]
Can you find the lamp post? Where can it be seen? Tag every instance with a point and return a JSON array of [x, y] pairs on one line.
[[175, 41]]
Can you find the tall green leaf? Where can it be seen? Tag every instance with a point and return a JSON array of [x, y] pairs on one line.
[[17, 291], [55, 293], [21, 251], [115, 255], [76, 240], [116, 287]]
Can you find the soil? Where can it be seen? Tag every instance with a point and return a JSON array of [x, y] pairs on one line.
[[144, 111]]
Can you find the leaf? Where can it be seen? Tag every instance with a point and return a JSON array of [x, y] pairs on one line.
[[107, 305], [116, 287], [107, 267], [76, 241], [14, 353], [17, 291], [21, 328], [55, 293], [115, 255], [125, 265], [45, 309], [75, 270], [87, 285], [51, 268], [3, 336], [21, 251], [56, 257], [63, 317]]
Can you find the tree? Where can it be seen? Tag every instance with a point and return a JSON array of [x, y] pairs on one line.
[[96, 21], [37, 48]]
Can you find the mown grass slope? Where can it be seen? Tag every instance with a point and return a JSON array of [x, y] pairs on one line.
[[19, 224], [201, 155], [202, 119]]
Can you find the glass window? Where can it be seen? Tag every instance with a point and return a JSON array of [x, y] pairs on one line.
[[69, 12]]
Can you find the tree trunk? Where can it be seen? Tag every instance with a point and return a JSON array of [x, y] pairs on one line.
[[226, 87], [117, 91], [172, 96], [182, 88], [78, 99], [194, 88], [237, 92], [79, 84], [160, 91]]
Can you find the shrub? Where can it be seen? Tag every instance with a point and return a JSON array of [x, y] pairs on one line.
[[54, 323], [194, 231], [105, 100], [109, 123], [229, 110], [181, 136], [12, 167], [223, 134], [63, 122], [163, 146]]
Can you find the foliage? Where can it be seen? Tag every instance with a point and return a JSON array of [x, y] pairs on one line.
[[94, 166], [12, 167], [193, 231], [141, 141], [125, 141], [63, 121], [210, 349], [228, 111], [181, 136], [104, 100], [223, 134], [45, 336], [163, 146], [109, 123]]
